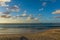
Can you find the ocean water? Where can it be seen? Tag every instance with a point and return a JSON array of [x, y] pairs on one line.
[[26, 28], [30, 25]]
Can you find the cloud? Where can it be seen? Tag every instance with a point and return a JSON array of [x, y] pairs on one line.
[[28, 19], [41, 9], [56, 16], [30, 15], [36, 19], [24, 14], [1, 13], [5, 16], [39, 15], [25, 11], [56, 12], [14, 8], [44, 4], [6, 13], [3, 2], [31, 18]]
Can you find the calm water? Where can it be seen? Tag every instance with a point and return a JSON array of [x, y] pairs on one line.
[[33, 25], [25, 28]]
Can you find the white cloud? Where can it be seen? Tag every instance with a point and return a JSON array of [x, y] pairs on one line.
[[56, 12], [24, 14], [28, 19], [4, 13], [3, 2], [7, 9], [0, 13], [15, 8], [36, 19]]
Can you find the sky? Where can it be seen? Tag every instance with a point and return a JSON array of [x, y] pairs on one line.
[[45, 11]]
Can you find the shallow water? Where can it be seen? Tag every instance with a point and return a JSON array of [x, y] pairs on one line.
[[18, 30], [25, 28]]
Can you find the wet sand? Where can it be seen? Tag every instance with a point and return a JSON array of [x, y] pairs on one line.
[[51, 34], [18, 30]]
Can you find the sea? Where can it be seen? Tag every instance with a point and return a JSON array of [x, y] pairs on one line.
[[26, 27]]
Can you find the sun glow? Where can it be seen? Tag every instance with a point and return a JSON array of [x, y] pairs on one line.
[[5, 20], [5, 0]]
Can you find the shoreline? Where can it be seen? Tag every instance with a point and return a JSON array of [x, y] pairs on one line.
[[51, 34]]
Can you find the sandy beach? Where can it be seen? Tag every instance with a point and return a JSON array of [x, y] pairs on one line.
[[51, 34]]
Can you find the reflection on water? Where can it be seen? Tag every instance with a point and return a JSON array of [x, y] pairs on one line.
[[24, 28], [17, 30]]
